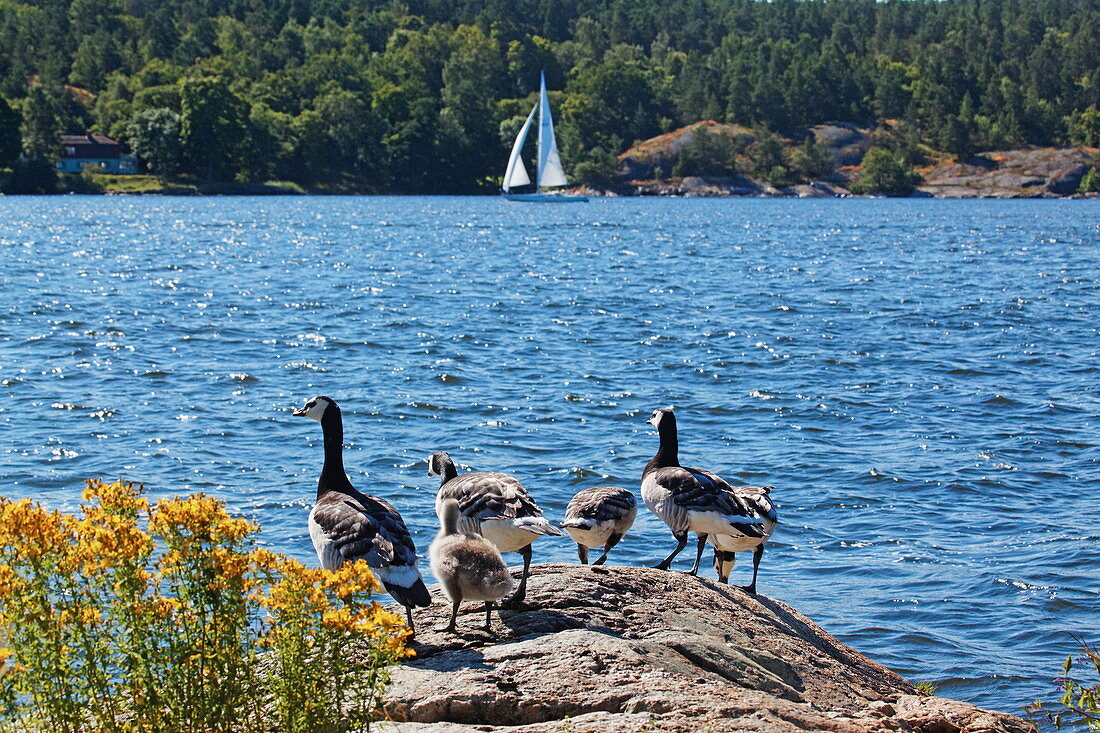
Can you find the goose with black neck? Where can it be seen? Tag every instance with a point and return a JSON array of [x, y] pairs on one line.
[[347, 525], [700, 501]]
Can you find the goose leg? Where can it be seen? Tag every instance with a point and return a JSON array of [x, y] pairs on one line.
[[723, 561], [611, 542], [516, 599], [756, 555], [454, 616], [681, 543], [582, 553], [698, 553], [409, 616], [488, 618]]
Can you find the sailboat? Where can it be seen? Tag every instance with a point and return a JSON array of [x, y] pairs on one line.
[[549, 172]]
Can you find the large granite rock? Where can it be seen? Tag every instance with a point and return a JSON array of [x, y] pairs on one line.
[[636, 649], [656, 157], [846, 142], [1028, 173]]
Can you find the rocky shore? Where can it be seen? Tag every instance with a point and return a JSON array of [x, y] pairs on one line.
[[1024, 173], [636, 649]]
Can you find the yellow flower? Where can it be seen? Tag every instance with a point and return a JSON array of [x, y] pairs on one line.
[[29, 532], [119, 497]]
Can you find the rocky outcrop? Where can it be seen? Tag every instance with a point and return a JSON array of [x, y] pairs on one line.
[[1031, 173], [847, 143], [636, 649], [655, 158]]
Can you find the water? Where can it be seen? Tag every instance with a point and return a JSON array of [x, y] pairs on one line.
[[919, 380]]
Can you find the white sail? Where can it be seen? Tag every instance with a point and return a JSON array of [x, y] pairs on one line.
[[550, 172], [516, 174]]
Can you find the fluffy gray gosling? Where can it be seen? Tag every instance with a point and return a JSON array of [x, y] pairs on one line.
[[468, 566]]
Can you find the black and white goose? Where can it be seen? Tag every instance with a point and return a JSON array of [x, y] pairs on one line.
[[495, 506], [346, 524], [599, 517], [696, 500], [725, 545]]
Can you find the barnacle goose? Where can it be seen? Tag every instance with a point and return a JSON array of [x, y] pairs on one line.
[[346, 524], [695, 500], [599, 517]]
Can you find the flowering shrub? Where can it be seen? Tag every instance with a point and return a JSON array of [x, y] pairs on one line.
[[168, 618]]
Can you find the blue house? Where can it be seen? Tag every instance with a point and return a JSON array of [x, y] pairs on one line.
[[78, 151]]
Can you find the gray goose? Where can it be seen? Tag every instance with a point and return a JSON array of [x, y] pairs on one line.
[[495, 506], [468, 566], [696, 500], [599, 517], [346, 525]]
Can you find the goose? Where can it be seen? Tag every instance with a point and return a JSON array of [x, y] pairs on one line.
[[725, 546], [599, 517], [346, 525], [495, 506], [695, 500], [468, 566]]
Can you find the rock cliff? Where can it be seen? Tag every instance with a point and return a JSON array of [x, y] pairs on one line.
[[634, 649]]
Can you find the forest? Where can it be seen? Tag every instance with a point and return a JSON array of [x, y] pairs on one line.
[[425, 96]]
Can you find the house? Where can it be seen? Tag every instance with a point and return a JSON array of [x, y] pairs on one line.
[[78, 151]]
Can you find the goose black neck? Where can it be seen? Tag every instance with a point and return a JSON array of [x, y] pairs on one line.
[[669, 449], [333, 477], [447, 471]]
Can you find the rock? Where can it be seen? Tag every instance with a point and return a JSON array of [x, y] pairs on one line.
[[846, 142], [655, 157], [635, 649], [1028, 173]]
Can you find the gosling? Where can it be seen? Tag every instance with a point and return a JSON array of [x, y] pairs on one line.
[[468, 566]]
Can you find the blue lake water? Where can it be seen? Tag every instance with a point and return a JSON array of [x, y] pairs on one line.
[[918, 379]]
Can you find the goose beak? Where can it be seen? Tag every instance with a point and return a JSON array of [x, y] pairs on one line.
[[299, 412]]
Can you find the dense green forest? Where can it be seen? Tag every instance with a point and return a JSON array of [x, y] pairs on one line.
[[426, 95]]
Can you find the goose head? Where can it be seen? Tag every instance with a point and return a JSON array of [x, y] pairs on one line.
[[315, 408], [438, 462], [662, 415]]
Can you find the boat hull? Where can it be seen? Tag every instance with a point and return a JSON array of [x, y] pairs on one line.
[[545, 198]]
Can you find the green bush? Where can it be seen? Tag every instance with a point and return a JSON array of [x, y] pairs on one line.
[[1090, 183], [885, 172], [1079, 705]]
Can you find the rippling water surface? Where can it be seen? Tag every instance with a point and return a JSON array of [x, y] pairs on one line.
[[918, 379]]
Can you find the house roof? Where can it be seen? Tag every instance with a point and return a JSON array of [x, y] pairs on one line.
[[89, 145]]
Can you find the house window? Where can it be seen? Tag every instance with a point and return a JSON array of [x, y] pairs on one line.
[[70, 150]]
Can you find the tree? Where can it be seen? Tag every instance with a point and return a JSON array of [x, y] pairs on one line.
[[1084, 127], [708, 153], [767, 159], [812, 159], [598, 168], [1090, 182], [10, 141], [43, 122], [154, 135], [886, 172], [213, 127]]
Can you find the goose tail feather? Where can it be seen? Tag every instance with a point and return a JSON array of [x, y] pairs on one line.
[[415, 595], [538, 525]]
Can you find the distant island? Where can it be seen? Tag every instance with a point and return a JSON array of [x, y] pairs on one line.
[[425, 97]]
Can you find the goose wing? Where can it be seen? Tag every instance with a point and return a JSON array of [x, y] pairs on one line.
[[482, 496], [698, 490], [363, 526], [601, 503], [758, 498]]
